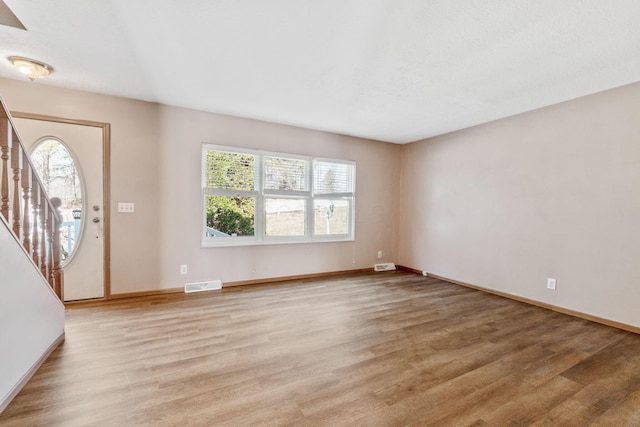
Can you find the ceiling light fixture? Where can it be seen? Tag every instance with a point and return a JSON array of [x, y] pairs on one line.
[[31, 68]]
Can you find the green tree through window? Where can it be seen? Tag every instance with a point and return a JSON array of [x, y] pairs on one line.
[[232, 215]]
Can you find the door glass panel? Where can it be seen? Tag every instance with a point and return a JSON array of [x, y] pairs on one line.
[[59, 176]]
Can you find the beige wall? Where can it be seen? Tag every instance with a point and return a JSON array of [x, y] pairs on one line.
[[156, 164], [550, 193]]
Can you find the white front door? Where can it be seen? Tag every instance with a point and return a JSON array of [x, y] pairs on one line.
[[84, 267]]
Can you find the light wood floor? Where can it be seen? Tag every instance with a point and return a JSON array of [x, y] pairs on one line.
[[385, 349]]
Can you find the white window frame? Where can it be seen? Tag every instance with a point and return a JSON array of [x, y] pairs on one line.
[[261, 194]]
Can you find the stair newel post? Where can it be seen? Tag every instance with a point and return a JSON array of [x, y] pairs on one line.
[[51, 227], [44, 248], [16, 165], [26, 206], [5, 147], [35, 201], [58, 274]]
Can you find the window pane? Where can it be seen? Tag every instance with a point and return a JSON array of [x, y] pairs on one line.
[[331, 216], [332, 177], [233, 171], [230, 216], [285, 174], [284, 217]]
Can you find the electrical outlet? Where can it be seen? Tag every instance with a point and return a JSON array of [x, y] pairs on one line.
[[551, 284], [379, 254], [183, 269]]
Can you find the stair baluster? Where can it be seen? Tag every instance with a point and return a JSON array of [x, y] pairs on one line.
[[34, 219]]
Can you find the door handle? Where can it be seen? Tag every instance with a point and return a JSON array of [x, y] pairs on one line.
[[96, 219]]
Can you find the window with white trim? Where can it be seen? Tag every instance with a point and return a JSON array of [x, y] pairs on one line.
[[254, 197]]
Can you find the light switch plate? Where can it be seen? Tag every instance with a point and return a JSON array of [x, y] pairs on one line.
[[126, 207]]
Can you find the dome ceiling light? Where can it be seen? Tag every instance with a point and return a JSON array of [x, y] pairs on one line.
[[31, 68]]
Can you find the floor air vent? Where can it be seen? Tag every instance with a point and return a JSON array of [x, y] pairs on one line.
[[387, 266], [202, 286]]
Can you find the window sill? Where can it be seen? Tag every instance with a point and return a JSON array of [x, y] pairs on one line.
[[212, 243]]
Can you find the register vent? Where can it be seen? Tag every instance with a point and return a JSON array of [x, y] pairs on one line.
[[386, 266], [210, 285]]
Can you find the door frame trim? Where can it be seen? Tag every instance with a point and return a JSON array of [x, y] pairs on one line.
[[106, 180]]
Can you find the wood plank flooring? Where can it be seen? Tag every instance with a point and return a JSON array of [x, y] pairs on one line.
[[383, 349]]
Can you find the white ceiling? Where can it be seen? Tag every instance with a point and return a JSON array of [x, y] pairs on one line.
[[390, 70]]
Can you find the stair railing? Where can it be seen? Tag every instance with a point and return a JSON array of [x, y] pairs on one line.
[[34, 218]]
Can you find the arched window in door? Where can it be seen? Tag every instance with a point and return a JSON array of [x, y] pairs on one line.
[[60, 177]]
